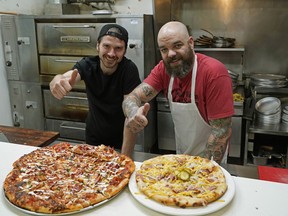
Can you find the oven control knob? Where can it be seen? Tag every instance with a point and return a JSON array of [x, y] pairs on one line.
[[131, 46], [19, 42], [8, 63]]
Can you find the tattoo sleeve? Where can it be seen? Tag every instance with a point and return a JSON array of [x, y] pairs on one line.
[[141, 94], [219, 138]]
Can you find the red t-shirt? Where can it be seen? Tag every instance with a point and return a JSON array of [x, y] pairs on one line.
[[213, 93]]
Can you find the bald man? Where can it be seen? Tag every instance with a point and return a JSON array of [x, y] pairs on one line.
[[199, 91]]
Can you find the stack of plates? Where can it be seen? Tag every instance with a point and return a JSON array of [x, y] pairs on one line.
[[234, 77], [269, 80], [285, 115], [268, 110]]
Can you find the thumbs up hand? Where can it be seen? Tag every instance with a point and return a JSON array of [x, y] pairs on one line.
[[139, 120], [72, 80], [62, 84]]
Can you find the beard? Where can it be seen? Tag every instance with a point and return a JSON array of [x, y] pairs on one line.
[[182, 69], [108, 65]]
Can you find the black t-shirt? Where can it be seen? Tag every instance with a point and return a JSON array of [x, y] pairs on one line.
[[105, 93]]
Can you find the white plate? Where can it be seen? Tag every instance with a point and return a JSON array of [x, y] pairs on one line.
[[171, 210], [58, 214]]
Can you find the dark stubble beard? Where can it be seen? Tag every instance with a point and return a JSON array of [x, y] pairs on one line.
[[183, 69]]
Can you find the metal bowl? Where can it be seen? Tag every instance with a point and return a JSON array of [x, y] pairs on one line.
[[268, 105], [269, 119]]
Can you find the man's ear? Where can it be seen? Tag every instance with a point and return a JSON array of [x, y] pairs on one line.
[[97, 46], [191, 41]]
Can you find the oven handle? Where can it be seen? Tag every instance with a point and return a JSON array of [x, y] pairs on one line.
[[81, 26], [66, 60], [70, 127], [73, 97]]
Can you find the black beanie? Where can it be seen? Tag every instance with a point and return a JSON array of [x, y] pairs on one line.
[[116, 31]]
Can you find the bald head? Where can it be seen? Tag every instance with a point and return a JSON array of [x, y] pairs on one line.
[[176, 48], [173, 29]]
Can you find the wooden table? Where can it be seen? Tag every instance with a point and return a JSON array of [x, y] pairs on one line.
[[29, 137]]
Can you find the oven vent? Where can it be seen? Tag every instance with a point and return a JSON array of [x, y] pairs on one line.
[[99, 6]]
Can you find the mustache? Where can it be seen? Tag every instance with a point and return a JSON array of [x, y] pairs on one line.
[[171, 59]]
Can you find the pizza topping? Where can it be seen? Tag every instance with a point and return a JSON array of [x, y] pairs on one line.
[[184, 175], [67, 178]]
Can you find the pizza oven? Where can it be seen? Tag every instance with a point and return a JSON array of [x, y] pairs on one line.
[[39, 47]]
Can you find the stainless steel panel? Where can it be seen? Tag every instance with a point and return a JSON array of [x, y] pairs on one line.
[[141, 44], [26, 104], [73, 107], [11, 55], [33, 111], [16, 101], [20, 48], [163, 106], [26, 40], [166, 135], [135, 49], [162, 103], [147, 137], [150, 51], [238, 108], [235, 143], [68, 38], [67, 129], [162, 14]]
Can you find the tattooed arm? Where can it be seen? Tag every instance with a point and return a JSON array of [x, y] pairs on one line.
[[219, 138], [135, 115], [129, 140], [133, 109]]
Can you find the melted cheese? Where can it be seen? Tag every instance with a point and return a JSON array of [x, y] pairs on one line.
[[163, 177]]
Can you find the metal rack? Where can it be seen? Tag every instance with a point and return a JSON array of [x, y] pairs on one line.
[[253, 127]]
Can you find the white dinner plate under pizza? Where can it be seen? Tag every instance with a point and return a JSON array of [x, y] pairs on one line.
[[171, 210]]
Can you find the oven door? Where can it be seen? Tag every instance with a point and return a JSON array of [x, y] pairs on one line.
[[73, 107], [52, 65], [68, 38], [67, 115]]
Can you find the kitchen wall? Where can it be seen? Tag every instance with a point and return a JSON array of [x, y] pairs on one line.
[[37, 7], [260, 26]]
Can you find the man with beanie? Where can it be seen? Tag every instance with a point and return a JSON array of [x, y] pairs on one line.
[[108, 78]]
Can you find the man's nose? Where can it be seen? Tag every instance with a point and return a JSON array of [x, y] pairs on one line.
[[171, 53], [111, 52]]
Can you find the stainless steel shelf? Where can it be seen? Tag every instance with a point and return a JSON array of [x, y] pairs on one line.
[[270, 91], [275, 129], [234, 49]]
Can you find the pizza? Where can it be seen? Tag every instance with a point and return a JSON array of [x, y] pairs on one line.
[[181, 180], [67, 178]]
